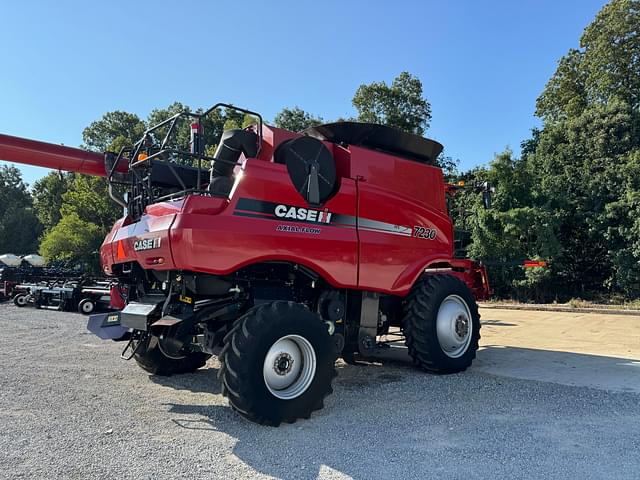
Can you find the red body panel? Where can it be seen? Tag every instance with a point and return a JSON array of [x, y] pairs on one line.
[[223, 243], [375, 240], [388, 220], [119, 246]]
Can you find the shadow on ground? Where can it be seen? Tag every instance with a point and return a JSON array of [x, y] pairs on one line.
[[204, 380], [566, 368], [363, 428], [498, 323]]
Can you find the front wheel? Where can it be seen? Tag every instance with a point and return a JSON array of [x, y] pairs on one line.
[[278, 363], [441, 324]]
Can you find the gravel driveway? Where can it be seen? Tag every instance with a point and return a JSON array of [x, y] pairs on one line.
[[71, 408]]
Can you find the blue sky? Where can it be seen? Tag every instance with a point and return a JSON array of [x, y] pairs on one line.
[[482, 64]]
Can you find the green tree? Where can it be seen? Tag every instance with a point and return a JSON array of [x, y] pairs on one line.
[[611, 46], [400, 105], [88, 198], [113, 131], [74, 242], [47, 197], [19, 226], [605, 68], [576, 185], [296, 119], [13, 191], [85, 203], [513, 230], [86, 206]]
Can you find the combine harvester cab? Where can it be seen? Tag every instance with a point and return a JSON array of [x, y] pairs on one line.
[[278, 253]]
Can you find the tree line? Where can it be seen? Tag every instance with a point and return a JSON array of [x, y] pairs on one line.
[[572, 196]]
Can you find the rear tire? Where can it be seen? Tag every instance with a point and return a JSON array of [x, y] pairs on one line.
[[20, 300], [441, 324], [278, 363], [150, 358]]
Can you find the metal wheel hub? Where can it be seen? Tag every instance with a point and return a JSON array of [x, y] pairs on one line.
[[289, 367], [454, 326], [283, 364], [87, 307], [462, 326]]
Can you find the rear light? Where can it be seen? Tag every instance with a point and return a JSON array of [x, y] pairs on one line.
[[154, 261]]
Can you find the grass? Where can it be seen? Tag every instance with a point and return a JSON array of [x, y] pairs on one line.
[[604, 303]]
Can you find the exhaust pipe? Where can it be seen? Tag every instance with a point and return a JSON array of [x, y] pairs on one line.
[[232, 144]]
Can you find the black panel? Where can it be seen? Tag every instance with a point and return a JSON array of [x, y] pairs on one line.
[[299, 155], [166, 174], [379, 137]]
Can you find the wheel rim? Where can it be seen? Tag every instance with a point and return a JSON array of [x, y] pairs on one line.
[[87, 307], [289, 367], [22, 300], [454, 326]]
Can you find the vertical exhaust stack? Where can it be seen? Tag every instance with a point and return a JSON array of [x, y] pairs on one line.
[[232, 144]]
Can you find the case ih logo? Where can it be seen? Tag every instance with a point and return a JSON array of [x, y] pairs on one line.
[[146, 244], [305, 214]]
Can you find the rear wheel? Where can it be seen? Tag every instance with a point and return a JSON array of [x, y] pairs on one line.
[[441, 324], [151, 357], [278, 363], [20, 300]]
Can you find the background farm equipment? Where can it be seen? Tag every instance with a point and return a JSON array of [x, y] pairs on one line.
[[30, 270], [84, 296]]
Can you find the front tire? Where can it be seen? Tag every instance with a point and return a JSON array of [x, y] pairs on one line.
[[278, 363], [150, 357], [441, 324]]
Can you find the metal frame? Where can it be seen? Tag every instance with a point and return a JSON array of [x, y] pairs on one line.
[[142, 193]]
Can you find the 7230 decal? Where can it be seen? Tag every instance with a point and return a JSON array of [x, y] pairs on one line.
[[423, 232]]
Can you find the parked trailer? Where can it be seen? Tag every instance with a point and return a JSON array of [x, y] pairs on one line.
[[84, 297]]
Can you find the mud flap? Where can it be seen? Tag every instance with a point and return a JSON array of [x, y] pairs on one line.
[[107, 326]]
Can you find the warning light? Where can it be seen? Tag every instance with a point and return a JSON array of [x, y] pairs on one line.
[[142, 157], [461, 183]]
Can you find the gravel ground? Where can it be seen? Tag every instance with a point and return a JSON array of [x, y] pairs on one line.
[[71, 408]]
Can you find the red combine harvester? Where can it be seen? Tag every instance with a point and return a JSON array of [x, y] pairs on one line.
[[279, 253]]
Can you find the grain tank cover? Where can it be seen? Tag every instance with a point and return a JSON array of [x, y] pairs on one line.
[[10, 260], [379, 137], [34, 260]]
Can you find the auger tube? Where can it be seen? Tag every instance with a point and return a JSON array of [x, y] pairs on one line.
[[49, 155]]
